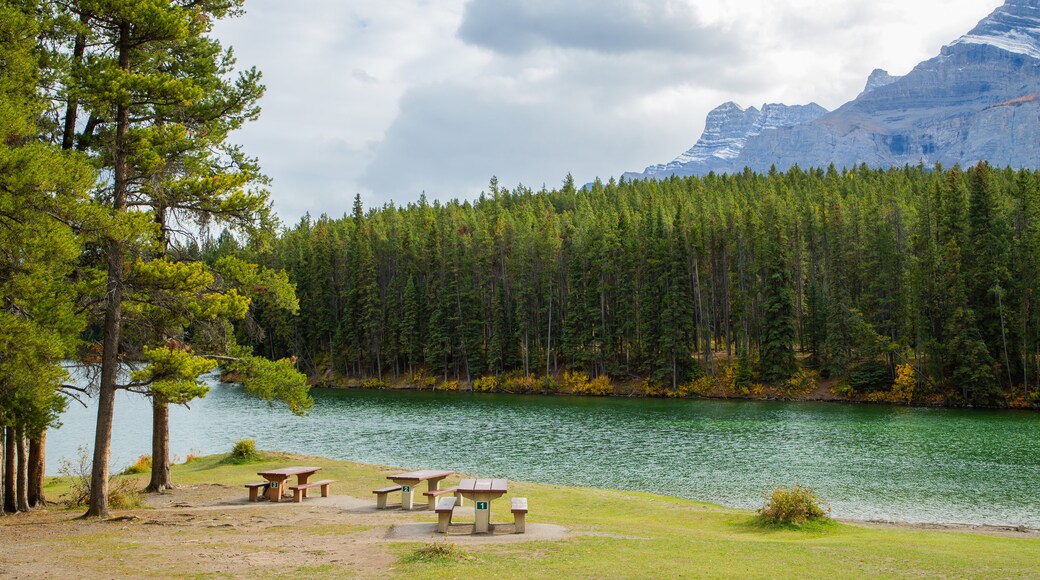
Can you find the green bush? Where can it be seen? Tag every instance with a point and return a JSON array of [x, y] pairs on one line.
[[795, 505], [244, 451]]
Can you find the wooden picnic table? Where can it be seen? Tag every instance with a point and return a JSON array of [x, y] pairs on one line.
[[409, 480], [482, 492], [278, 477]]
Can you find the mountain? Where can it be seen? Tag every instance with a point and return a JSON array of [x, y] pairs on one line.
[[976, 101], [726, 132]]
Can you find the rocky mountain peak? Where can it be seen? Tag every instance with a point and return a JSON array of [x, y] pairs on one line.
[[877, 79], [1014, 27]]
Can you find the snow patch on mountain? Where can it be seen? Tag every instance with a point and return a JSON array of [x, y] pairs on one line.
[[1014, 27]]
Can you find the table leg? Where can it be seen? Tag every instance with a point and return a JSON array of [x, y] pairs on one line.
[[274, 492], [483, 514], [301, 479], [406, 496]]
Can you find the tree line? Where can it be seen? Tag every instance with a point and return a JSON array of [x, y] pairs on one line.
[[114, 155], [850, 274]]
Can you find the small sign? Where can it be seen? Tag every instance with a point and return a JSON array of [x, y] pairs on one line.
[[482, 505], [274, 485], [406, 488]]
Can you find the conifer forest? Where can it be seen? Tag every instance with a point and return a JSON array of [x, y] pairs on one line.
[[911, 284]]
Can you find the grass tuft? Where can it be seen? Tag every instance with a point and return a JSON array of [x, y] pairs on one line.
[[437, 553]]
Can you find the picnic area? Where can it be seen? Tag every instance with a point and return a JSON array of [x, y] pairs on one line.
[[208, 526]]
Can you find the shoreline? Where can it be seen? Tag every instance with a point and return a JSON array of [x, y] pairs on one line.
[[822, 394]]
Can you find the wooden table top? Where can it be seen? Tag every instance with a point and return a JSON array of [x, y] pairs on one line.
[[289, 471], [421, 475], [484, 486]]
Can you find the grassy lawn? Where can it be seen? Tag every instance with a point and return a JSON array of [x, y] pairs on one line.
[[624, 534]]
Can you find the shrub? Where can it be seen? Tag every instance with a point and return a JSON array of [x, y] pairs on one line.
[[702, 387], [550, 385], [795, 505], [420, 380], [486, 384], [575, 381], [193, 455], [244, 451], [906, 381], [448, 386], [143, 464], [374, 384], [655, 391], [123, 492], [521, 384], [580, 384], [801, 383], [843, 389]]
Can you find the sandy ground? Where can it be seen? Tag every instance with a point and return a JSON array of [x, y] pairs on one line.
[[213, 529]]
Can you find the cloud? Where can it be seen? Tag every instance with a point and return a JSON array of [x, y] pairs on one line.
[[395, 97], [448, 140], [610, 26]]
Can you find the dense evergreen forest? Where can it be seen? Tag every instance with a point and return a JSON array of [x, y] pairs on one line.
[[912, 284]]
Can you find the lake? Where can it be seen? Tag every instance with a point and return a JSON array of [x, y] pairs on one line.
[[869, 462]]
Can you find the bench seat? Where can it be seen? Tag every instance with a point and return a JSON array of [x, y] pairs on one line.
[[300, 491], [434, 494], [382, 493], [519, 510], [254, 489], [445, 508]]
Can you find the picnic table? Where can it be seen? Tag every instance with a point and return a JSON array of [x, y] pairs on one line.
[[409, 480], [278, 477], [482, 492]]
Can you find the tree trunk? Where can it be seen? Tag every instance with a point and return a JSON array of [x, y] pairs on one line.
[[22, 495], [113, 309], [10, 471], [161, 480], [37, 470], [2, 470], [72, 107]]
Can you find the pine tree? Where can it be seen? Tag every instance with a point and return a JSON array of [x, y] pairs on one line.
[[778, 333]]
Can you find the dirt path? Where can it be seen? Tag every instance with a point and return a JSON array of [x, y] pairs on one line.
[[212, 529]]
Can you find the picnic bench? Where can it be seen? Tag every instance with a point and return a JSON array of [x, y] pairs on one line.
[[519, 509], [254, 489], [381, 494], [444, 509], [300, 491], [409, 480], [436, 493], [276, 479]]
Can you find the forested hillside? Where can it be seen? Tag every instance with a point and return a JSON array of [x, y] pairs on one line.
[[909, 284]]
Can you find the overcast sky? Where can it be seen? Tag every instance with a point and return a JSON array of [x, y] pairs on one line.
[[390, 98]]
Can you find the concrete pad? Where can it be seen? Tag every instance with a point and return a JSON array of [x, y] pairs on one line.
[[462, 533]]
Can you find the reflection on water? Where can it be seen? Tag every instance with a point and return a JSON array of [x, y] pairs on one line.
[[928, 465]]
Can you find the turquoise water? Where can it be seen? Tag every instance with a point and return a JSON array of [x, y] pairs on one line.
[[889, 463]]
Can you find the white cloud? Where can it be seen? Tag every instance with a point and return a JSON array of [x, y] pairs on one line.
[[394, 97]]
